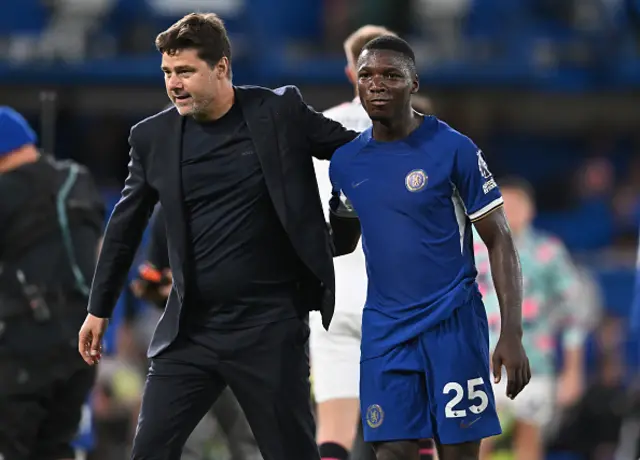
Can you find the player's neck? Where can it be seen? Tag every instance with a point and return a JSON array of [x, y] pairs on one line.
[[396, 129]]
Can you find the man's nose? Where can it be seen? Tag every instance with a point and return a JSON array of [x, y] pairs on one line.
[[174, 82], [377, 84]]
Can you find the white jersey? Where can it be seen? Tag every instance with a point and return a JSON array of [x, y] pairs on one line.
[[351, 276]]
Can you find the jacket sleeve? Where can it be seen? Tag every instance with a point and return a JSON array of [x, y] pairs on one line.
[[122, 236], [343, 218], [324, 135]]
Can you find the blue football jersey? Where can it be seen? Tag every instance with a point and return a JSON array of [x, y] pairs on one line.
[[416, 199]]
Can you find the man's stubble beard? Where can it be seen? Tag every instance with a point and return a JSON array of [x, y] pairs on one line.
[[200, 106]]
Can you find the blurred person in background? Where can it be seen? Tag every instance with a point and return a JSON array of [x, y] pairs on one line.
[[154, 285], [250, 250], [443, 22], [68, 34], [592, 427], [115, 398], [551, 306], [335, 353], [422, 104], [51, 220], [629, 445]]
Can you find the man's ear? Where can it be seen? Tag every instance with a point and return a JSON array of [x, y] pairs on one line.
[[223, 67], [415, 85]]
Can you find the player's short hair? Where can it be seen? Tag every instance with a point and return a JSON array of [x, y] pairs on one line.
[[517, 183], [392, 43], [355, 42], [203, 32]]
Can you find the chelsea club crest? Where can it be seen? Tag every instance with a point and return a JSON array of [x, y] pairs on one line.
[[374, 416], [415, 180]]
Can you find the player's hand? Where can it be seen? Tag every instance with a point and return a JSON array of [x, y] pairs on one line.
[[90, 338], [510, 353]]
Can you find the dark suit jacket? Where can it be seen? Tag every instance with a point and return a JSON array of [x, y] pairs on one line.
[[286, 134]]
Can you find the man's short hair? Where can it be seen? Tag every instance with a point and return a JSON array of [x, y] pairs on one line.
[[355, 42], [391, 43], [203, 32]]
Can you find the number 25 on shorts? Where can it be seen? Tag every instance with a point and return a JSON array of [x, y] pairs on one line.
[[473, 393]]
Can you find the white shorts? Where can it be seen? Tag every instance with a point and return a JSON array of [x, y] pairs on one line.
[[534, 405], [335, 355]]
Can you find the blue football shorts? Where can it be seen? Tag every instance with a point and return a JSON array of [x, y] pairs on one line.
[[437, 385]]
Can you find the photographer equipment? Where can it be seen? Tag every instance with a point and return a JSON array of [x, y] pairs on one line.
[[51, 223], [63, 195]]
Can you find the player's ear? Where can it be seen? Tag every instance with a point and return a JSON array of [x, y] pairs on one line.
[[415, 85], [222, 67]]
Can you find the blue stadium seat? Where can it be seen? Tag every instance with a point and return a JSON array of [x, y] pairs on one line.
[[24, 16]]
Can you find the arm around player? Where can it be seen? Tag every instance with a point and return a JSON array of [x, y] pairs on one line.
[[325, 136]]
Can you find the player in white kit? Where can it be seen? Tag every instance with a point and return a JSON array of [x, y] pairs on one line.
[[335, 354]]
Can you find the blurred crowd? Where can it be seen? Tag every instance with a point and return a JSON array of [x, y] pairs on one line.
[[553, 31]]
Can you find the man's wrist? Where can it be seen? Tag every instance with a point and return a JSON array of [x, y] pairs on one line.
[[95, 315], [512, 330]]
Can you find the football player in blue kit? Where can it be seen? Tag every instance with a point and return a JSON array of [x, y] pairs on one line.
[[417, 185]]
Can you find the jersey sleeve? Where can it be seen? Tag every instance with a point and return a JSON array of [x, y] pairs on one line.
[[474, 182]]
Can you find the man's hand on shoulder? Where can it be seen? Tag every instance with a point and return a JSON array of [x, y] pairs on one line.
[[324, 135], [90, 338], [344, 226]]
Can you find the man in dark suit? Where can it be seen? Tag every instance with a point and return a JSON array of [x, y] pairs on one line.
[[154, 285], [249, 249]]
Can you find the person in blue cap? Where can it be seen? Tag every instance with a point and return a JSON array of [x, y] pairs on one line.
[[51, 222]]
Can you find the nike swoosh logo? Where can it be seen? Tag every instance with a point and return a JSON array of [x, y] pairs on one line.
[[464, 425], [357, 184]]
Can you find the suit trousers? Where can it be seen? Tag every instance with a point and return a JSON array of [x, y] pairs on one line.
[[227, 414], [266, 367]]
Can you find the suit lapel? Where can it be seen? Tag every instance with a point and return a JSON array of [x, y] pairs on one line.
[[174, 205], [265, 140]]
